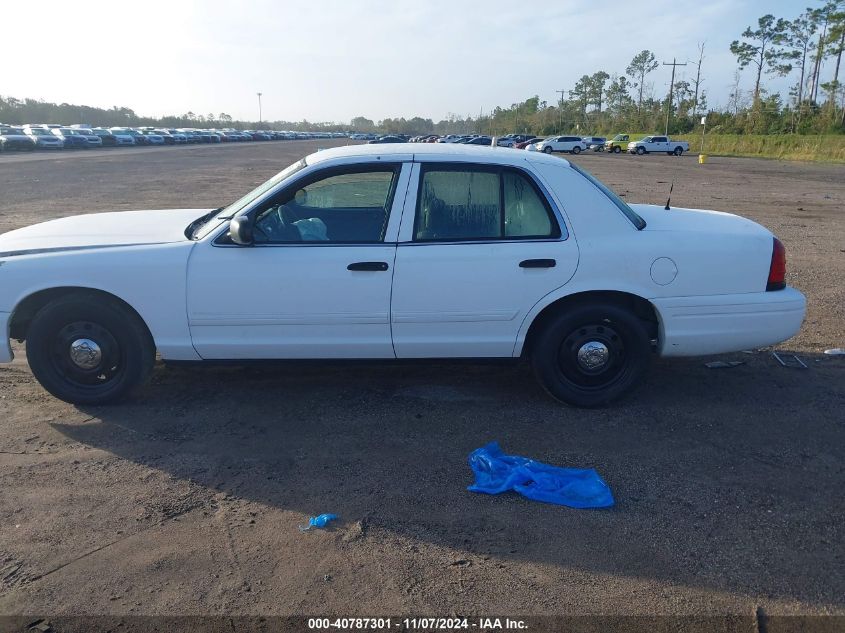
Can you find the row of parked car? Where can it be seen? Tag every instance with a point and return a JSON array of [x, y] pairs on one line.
[[51, 136], [569, 144]]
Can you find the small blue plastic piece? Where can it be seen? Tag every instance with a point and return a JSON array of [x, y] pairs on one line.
[[496, 472], [318, 522]]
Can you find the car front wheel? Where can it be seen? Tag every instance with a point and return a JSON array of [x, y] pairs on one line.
[[588, 356], [547, 150], [617, 149], [85, 349], [641, 150]]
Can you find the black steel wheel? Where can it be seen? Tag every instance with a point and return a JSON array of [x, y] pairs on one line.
[[590, 355], [86, 349]]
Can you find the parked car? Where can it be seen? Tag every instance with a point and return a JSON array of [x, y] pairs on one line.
[[595, 143], [512, 140], [136, 135], [43, 138], [508, 140], [71, 139], [180, 138], [658, 144], [93, 139], [480, 140], [530, 141], [121, 135], [108, 139], [154, 138], [617, 143], [571, 144], [15, 138], [517, 256], [192, 136], [387, 139]]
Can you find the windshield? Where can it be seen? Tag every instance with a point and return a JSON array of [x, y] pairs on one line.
[[210, 221], [39, 132], [620, 137], [635, 219]]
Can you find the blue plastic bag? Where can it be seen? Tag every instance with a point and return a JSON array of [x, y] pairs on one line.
[[318, 522], [496, 472]]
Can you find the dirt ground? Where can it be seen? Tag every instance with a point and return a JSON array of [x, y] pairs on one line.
[[187, 500]]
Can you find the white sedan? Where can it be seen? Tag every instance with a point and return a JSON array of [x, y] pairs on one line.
[[396, 252]]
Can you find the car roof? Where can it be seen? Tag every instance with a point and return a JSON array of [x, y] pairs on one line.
[[441, 151]]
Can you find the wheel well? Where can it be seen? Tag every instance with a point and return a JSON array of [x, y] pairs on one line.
[[26, 310], [641, 308]]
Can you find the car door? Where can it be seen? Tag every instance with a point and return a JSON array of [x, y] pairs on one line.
[[660, 144], [479, 246], [316, 283]]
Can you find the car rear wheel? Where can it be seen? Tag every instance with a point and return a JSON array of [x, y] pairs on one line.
[[547, 150], [591, 355], [641, 150], [678, 151], [576, 149], [85, 349]]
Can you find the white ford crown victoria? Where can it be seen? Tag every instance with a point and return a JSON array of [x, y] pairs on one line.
[[395, 252]]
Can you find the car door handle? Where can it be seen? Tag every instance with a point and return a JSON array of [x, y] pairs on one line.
[[375, 266], [537, 263]]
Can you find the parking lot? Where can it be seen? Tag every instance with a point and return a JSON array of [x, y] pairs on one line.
[[186, 501]]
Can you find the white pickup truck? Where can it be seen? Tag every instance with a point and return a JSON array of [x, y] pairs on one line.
[[658, 144]]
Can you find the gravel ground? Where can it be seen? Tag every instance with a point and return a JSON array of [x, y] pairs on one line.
[[187, 500]]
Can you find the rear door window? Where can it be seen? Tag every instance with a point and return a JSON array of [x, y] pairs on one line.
[[479, 202]]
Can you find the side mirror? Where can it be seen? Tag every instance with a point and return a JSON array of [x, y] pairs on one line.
[[240, 230]]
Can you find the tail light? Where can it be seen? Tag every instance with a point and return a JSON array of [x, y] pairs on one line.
[[777, 269]]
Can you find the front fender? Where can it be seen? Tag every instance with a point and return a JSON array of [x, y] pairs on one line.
[[150, 279]]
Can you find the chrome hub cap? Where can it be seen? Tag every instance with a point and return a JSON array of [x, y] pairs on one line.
[[593, 355], [85, 353]]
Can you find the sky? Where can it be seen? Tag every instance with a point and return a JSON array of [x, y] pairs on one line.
[[332, 60]]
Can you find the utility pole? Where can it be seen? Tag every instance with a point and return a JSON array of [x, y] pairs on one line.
[[560, 111], [259, 108], [674, 64], [698, 78]]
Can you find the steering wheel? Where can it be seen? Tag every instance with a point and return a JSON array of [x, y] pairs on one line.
[[277, 225]]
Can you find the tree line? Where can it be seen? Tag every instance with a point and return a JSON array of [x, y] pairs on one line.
[[806, 48]]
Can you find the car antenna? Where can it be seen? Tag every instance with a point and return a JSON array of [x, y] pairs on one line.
[[672, 186]]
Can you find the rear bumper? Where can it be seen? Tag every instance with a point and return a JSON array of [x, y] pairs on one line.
[[6, 355], [697, 326]]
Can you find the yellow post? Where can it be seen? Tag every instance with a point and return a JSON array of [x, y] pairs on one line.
[[702, 158]]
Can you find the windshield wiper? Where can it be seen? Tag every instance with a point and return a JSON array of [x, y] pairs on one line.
[[193, 227]]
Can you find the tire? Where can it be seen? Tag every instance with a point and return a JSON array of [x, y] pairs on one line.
[[547, 150], [125, 349], [576, 149], [640, 151], [567, 375], [616, 149], [678, 151]]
